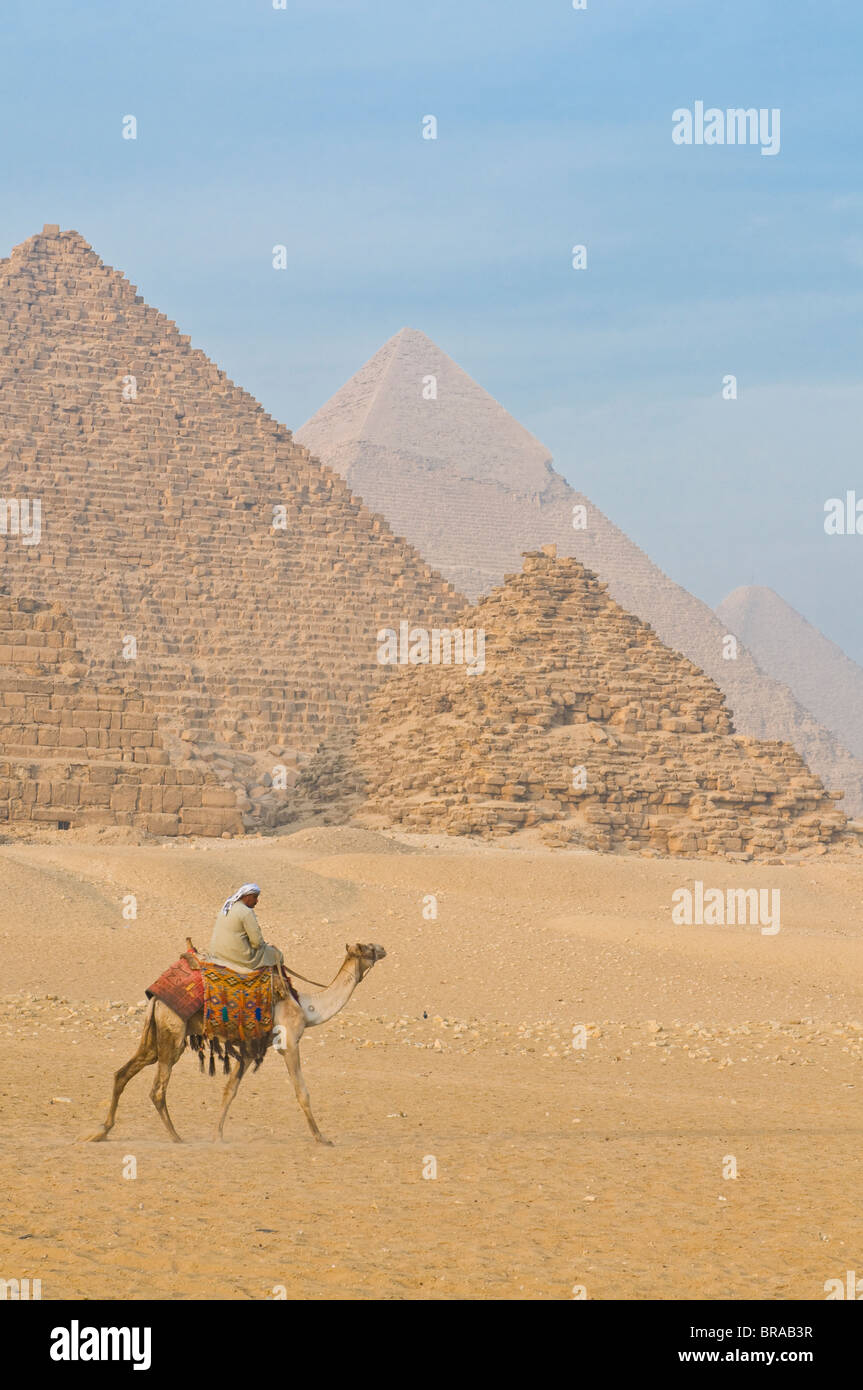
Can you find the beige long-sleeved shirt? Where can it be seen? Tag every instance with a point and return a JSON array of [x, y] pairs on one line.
[[238, 938]]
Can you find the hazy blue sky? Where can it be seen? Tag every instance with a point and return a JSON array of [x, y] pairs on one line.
[[303, 127]]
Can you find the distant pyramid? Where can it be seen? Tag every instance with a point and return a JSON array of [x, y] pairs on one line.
[[159, 483], [472, 490], [413, 401], [582, 724], [817, 672]]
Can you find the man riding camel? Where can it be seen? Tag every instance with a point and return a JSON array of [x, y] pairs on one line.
[[237, 939]]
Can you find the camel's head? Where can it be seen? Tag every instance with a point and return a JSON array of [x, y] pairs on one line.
[[366, 955]]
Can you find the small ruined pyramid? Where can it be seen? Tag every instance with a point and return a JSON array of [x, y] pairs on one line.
[[466, 484], [73, 753], [788, 648], [582, 724], [202, 554]]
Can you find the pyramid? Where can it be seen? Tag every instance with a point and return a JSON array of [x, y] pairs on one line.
[[385, 412], [789, 649], [472, 490], [73, 753], [158, 481], [582, 724]]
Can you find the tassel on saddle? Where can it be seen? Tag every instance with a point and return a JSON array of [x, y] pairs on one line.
[[250, 1053]]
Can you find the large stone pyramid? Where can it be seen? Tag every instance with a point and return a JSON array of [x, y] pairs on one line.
[[583, 724], [472, 490], [818, 673], [158, 481], [73, 753], [412, 409]]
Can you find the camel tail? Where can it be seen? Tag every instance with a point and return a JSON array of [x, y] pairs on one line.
[[149, 1032]]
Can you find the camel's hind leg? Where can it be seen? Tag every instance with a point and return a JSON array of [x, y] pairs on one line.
[[170, 1041], [292, 1062], [231, 1087], [144, 1057]]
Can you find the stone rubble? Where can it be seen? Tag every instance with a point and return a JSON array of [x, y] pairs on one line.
[[756, 1042]]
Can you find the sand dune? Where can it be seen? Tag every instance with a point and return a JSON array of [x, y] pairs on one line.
[[557, 1167]]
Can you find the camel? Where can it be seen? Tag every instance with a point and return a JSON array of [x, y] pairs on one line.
[[165, 1034]]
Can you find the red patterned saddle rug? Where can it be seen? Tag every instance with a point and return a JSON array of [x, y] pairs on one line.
[[181, 988]]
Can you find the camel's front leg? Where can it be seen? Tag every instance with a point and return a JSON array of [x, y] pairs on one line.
[[231, 1087], [292, 1062]]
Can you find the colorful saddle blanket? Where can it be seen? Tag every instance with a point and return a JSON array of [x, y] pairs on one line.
[[238, 1008], [181, 988]]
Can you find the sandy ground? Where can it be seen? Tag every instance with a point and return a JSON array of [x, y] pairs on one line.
[[599, 1167]]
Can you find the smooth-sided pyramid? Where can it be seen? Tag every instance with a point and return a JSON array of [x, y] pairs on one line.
[[472, 490], [818, 673], [203, 555], [72, 753], [581, 723]]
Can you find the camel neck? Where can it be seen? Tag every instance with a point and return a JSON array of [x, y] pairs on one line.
[[321, 1007]]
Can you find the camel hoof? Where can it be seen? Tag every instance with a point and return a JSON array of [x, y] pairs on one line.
[[328, 1143], [96, 1138]]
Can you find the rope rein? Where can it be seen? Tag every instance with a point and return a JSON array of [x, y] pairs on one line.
[[296, 974]]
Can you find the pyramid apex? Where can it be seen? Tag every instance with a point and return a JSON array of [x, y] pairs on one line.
[[412, 402], [549, 552], [409, 335], [751, 593], [52, 239]]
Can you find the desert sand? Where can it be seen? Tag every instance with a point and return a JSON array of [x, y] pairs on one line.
[[557, 1167]]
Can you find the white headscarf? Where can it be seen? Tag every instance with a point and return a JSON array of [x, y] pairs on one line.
[[240, 893]]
